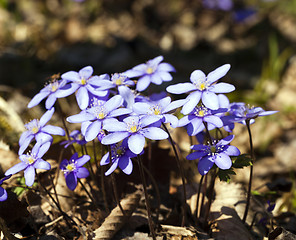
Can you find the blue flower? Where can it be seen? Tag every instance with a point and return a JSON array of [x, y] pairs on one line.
[[224, 5], [74, 169], [31, 161], [152, 71], [84, 83], [98, 115], [160, 109], [3, 193], [122, 83], [214, 153], [240, 112], [50, 91], [203, 87], [39, 130], [75, 137], [120, 157], [196, 119], [136, 129]]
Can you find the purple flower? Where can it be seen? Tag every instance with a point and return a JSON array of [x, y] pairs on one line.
[[224, 5], [98, 115], [31, 161], [120, 157], [120, 82], [240, 112], [74, 169], [50, 91], [75, 137], [200, 115], [85, 84], [153, 71], [3, 193], [216, 152], [37, 129], [160, 109], [136, 129], [203, 87]]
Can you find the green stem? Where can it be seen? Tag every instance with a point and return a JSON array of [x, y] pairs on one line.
[[251, 171]]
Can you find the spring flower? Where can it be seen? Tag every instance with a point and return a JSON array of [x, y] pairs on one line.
[[84, 83], [50, 91], [136, 129], [120, 157], [152, 71], [75, 137], [203, 87], [31, 161], [214, 153], [200, 115], [240, 112], [160, 108], [224, 5], [98, 115], [122, 83], [38, 130], [3, 193], [74, 169]]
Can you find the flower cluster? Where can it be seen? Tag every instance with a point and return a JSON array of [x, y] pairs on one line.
[[115, 113]]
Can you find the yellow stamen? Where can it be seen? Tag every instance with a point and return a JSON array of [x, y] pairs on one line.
[[213, 149], [133, 129], [118, 81], [101, 115], [201, 113], [30, 160], [70, 167], [35, 130], [202, 86], [83, 81], [149, 70]]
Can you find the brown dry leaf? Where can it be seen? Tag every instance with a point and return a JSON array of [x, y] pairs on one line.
[[116, 220], [281, 234], [227, 210]]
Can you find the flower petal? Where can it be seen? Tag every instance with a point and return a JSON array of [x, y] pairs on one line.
[[223, 161], [50, 101], [143, 83], [82, 172], [82, 160], [197, 76], [204, 165], [46, 117], [112, 168], [71, 181], [54, 130], [115, 137], [16, 168], [93, 130], [82, 98], [105, 159], [218, 73], [154, 133], [210, 100], [126, 165], [3, 194], [38, 98], [41, 164], [136, 143], [86, 72], [232, 151], [29, 175], [222, 88], [192, 100], [113, 103], [196, 155], [181, 88]]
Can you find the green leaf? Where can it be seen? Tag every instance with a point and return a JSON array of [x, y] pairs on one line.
[[242, 161], [224, 175]]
